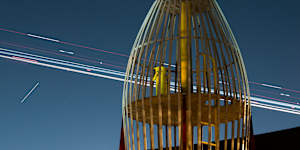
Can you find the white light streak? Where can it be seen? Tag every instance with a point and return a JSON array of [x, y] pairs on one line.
[[31, 89], [68, 52], [282, 94], [61, 62], [255, 100], [44, 38], [65, 68], [272, 86], [276, 108], [274, 102]]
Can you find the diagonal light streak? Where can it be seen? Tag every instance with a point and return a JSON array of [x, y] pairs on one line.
[[119, 54], [54, 63], [60, 62], [25, 97], [63, 68]]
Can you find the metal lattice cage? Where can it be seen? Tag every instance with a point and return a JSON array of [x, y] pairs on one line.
[[185, 82]]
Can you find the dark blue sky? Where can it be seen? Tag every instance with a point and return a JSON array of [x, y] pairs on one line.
[[70, 111]]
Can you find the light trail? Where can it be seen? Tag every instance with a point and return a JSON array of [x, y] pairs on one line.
[[294, 98], [103, 62], [276, 108], [26, 57], [67, 52], [29, 91], [12, 31], [283, 94], [271, 86], [119, 54], [257, 101], [63, 68], [286, 89], [256, 104], [275, 87], [274, 98], [274, 102], [91, 48], [43, 38], [29, 57], [63, 42], [276, 93]]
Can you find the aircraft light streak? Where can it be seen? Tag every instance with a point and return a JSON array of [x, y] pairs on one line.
[[67, 52], [257, 102], [104, 62], [116, 53], [28, 57], [30, 90], [44, 38], [283, 94]]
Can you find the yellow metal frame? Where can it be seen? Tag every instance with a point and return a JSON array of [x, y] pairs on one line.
[[186, 91], [185, 25]]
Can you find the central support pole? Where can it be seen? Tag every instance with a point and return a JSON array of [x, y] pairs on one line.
[[185, 53], [185, 23]]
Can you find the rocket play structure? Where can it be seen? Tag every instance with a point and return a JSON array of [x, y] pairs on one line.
[[186, 86]]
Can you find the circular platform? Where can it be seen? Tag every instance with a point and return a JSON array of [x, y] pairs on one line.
[[230, 112]]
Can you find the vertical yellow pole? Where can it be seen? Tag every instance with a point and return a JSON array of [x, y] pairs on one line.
[[185, 29], [185, 23]]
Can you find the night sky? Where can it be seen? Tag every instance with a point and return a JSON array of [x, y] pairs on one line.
[[71, 111]]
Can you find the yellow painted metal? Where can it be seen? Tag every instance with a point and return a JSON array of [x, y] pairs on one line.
[[163, 75], [185, 45], [167, 37], [185, 24]]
